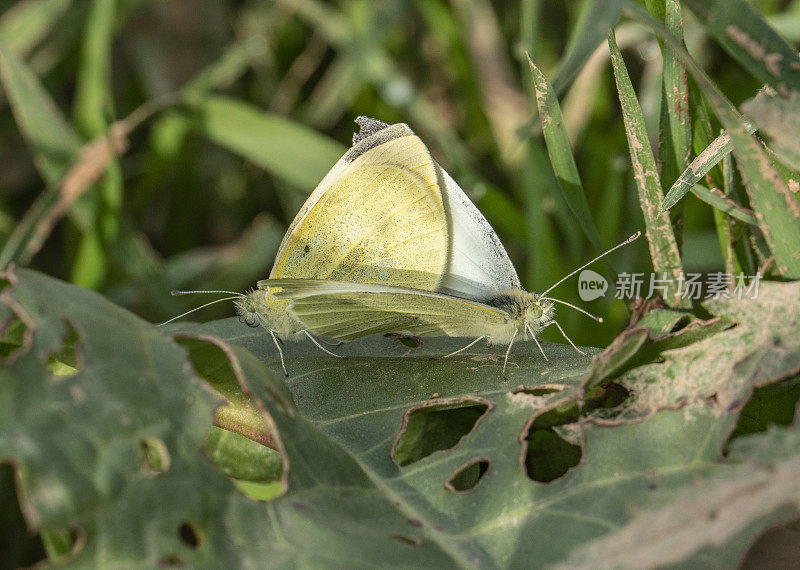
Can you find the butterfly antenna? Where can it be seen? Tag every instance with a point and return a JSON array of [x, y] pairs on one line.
[[177, 293], [587, 313], [190, 311], [560, 281]]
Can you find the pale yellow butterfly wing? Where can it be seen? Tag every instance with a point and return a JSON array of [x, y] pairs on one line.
[[346, 310], [377, 217]]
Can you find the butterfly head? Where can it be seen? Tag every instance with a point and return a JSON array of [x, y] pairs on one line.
[[248, 306], [538, 311], [259, 307]]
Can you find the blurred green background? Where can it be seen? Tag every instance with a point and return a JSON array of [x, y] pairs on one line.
[[248, 103]]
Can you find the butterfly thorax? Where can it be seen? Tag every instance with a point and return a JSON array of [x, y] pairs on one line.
[[260, 308], [525, 309]]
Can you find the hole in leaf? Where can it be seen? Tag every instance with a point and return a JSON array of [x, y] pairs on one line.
[[537, 390], [549, 456], [428, 428], [407, 539], [777, 547], [65, 362], [242, 458], [189, 534], [680, 324], [468, 476], [12, 337], [606, 395], [154, 454], [774, 404], [61, 545], [19, 548]]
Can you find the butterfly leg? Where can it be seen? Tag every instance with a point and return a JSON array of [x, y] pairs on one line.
[[508, 351], [568, 339], [465, 348], [280, 351], [322, 348], [333, 344], [536, 340]]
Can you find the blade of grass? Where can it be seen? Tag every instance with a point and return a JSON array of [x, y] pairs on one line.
[[724, 225], [747, 37], [722, 203], [93, 104], [775, 207], [595, 20], [661, 239], [700, 166], [284, 148], [51, 138], [676, 125], [561, 157], [26, 23]]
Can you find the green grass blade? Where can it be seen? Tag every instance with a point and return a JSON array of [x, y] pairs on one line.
[[723, 224], [676, 124], [700, 166], [719, 201], [286, 149], [52, 140], [745, 34], [597, 17], [92, 109], [776, 208], [93, 98], [26, 23], [561, 157], [660, 236], [53, 143]]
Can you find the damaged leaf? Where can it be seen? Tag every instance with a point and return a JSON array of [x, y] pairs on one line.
[[643, 443]]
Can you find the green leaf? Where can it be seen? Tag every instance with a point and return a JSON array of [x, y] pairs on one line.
[[345, 500], [743, 33], [664, 251], [286, 149], [561, 158]]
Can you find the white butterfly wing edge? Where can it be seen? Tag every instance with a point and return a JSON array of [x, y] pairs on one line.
[[478, 265]]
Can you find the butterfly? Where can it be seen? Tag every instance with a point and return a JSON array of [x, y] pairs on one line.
[[476, 293], [385, 214]]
